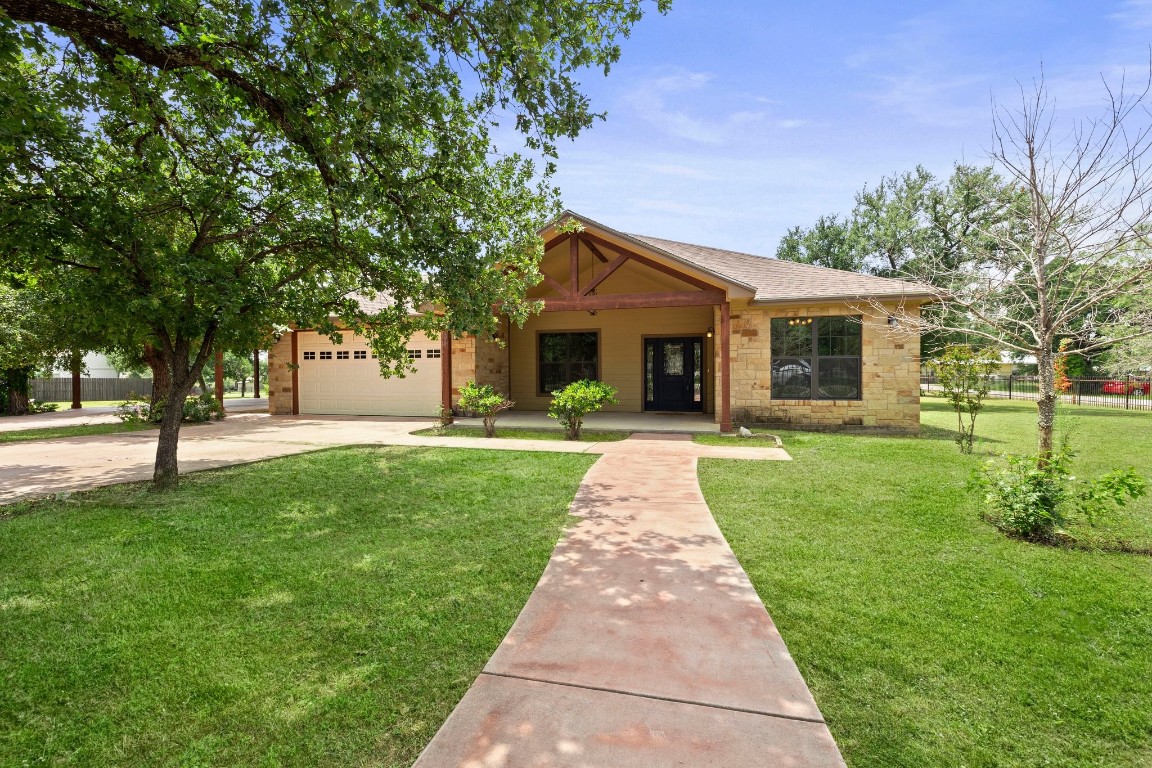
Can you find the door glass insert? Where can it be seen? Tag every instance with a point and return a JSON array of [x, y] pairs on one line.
[[649, 369], [674, 359], [697, 372]]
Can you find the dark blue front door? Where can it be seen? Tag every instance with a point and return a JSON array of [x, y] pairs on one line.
[[674, 374]]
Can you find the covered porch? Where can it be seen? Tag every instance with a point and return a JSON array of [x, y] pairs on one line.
[[626, 313]]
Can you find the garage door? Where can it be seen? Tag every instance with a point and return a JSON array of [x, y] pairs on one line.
[[345, 378]]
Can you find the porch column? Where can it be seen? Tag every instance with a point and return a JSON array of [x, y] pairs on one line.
[[295, 373], [725, 368], [220, 378], [446, 373]]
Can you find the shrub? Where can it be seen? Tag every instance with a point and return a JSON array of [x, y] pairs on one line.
[[965, 375], [485, 401], [1035, 500], [197, 409], [39, 406], [570, 405]]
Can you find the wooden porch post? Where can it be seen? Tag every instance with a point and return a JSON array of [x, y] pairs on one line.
[[220, 378], [574, 265], [446, 373], [256, 373], [295, 373], [725, 368]]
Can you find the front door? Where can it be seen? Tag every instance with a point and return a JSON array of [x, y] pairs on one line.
[[674, 374]]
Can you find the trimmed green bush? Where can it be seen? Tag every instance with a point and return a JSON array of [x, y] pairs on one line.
[[570, 405], [486, 402]]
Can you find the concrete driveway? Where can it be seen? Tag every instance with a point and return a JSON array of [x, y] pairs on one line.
[[45, 467]]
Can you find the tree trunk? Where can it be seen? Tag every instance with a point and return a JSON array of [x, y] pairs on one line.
[[1046, 402], [256, 373], [17, 382], [166, 474], [161, 378], [76, 362], [244, 386]]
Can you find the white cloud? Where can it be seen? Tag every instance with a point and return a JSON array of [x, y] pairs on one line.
[[1134, 13]]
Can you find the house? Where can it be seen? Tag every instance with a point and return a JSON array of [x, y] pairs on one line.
[[675, 327]]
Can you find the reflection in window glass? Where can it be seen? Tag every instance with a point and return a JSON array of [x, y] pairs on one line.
[[674, 359], [567, 357], [816, 358]]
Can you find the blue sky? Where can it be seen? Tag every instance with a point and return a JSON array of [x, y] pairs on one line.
[[731, 120]]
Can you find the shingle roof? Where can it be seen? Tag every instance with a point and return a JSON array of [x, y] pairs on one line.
[[773, 280], [779, 280]]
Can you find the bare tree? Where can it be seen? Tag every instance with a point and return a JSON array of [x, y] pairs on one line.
[[1078, 247]]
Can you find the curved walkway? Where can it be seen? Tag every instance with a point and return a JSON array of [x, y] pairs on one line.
[[644, 644]]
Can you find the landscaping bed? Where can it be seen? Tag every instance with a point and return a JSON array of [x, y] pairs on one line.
[[928, 637], [323, 609]]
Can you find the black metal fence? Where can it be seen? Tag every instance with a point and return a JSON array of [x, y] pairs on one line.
[[1126, 392], [60, 390]]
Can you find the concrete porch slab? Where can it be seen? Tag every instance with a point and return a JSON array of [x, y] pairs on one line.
[[625, 422]]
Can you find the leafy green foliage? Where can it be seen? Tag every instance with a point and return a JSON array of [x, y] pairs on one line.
[[570, 405], [964, 375], [196, 176], [1036, 500], [486, 402], [196, 410]]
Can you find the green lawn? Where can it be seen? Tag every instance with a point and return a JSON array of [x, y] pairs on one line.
[[928, 638], [586, 436], [79, 430], [324, 609]]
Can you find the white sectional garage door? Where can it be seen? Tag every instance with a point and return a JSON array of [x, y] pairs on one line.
[[345, 378]]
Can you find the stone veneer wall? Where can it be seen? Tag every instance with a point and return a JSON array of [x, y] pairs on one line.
[[890, 374], [479, 360], [280, 377]]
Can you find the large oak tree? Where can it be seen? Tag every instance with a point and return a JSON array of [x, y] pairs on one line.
[[193, 175]]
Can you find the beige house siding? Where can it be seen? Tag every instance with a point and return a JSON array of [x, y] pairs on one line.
[[280, 377], [622, 332], [890, 373]]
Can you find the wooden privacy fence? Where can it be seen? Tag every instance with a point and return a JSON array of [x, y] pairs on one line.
[[60, 390]]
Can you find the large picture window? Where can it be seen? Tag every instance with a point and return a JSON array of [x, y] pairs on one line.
[[816, 358], [567, 357]]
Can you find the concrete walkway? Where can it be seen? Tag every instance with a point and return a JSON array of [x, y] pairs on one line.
[[643, 645], [44, 467]]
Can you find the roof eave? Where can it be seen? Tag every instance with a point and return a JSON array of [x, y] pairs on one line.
[[648, 246], [883, 297]]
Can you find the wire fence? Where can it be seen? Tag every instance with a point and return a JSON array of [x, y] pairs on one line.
[[1130, 393], [60, 390]]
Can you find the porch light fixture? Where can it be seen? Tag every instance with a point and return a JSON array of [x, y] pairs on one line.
[[893, 321], [710, 331]]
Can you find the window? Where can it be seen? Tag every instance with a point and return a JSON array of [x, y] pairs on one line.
[[433, 354], [413, 354], [342, 355], [360, 354], [309, 355], [567, 357], [816, 358], [325, 355]]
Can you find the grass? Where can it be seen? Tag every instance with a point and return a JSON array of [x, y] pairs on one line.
[[586, 436], [320, 610], [79, 430], [64, 405], [927, 637]]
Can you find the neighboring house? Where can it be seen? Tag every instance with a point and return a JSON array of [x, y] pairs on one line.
[[97, 366], [675, 327]]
